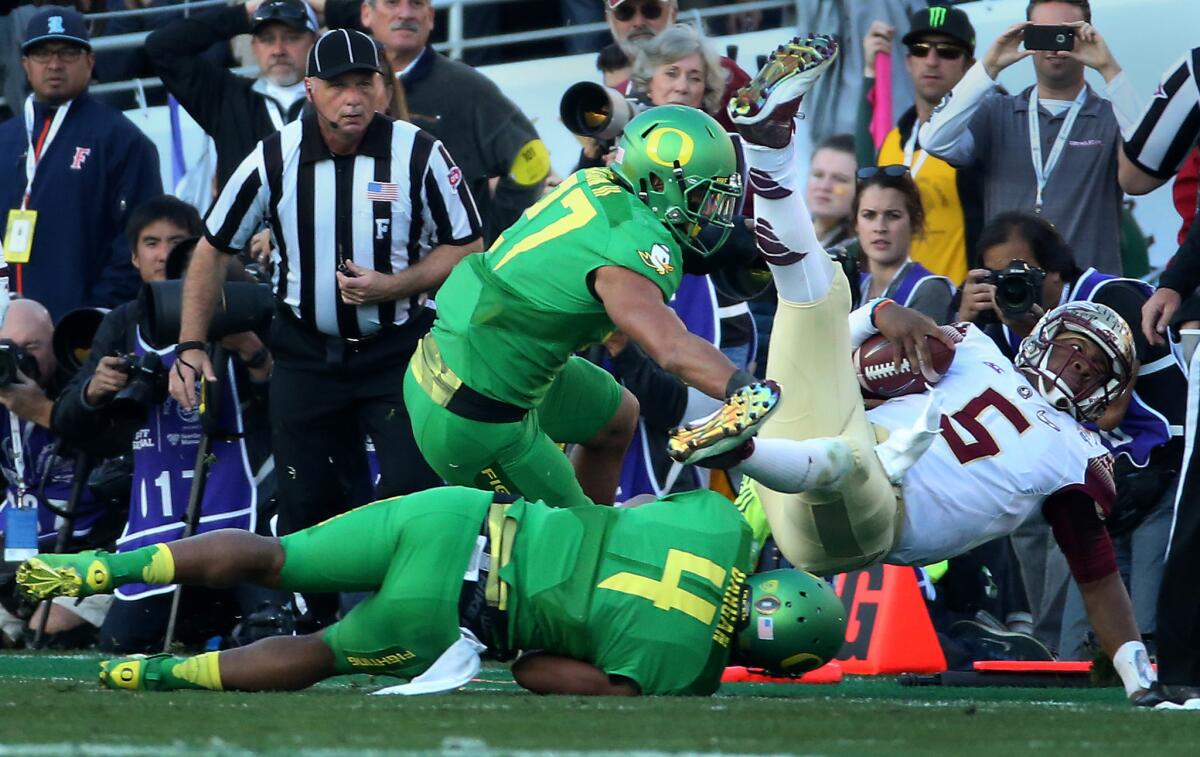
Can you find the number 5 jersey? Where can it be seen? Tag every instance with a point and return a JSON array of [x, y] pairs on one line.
[[1003, 450]]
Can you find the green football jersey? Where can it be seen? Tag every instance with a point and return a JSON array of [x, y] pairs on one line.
[[651, 593], [509, 318]]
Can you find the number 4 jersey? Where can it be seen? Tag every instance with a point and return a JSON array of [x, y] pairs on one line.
[[649, 593], [1002, 451]]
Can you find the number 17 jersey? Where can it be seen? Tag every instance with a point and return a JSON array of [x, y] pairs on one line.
[[1002, 451], [509, 318]]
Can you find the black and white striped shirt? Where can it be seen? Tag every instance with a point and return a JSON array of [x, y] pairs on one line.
[[385, 207], [1170, 125]]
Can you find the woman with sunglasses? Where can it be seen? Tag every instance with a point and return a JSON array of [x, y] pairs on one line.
[[888, 215]]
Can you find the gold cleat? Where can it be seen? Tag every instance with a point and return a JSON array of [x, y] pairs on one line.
[[728, 427], [763, 110], [79, 575]]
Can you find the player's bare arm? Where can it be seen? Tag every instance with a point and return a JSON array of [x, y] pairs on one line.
[[544, 673], [636, 307], [206, 271]]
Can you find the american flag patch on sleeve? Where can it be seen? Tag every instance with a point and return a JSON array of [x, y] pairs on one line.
[[382, 191]]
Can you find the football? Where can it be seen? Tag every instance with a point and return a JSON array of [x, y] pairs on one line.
[[877, 374]]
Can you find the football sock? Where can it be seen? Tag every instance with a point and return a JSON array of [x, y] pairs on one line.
[[792, 465], [200, 672], [784, 229], [152, 565]]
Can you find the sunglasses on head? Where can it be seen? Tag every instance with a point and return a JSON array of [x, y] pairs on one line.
[[650, 10], [894, 171], [944, 50]]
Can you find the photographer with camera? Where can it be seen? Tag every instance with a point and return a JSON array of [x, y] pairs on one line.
[[1051, 149], [39, 472], [120, 394], [1030, 269]]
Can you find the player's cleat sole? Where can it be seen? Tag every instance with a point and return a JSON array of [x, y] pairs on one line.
[[79, 575], [137, 672], [728, 427], [763, 110], [1003, 645]]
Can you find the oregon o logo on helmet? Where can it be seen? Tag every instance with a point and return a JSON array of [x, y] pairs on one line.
[[937, 16], [668, 144]]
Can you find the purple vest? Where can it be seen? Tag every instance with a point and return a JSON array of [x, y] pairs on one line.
[[58, 473], [910, 276], [164, 460]]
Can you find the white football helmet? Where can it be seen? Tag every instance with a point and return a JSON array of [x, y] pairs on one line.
[[1100, 325]]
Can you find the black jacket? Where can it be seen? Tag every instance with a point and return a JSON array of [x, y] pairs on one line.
[[224, 104]]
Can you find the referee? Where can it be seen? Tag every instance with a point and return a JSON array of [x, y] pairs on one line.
[[1169, 128], [368, 215]]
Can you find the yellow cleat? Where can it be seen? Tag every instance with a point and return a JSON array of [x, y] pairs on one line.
[[80, 575], [137, 672], [728, 427]]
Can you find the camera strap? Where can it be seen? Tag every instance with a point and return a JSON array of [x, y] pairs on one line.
[[1043, 170], [18, 455]]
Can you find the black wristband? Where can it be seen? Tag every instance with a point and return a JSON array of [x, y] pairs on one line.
[[183, 347], [739, 379]]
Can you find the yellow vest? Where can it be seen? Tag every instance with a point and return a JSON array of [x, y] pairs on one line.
[[943, 247]]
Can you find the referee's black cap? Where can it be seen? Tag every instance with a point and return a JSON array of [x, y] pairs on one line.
[[342, 50]]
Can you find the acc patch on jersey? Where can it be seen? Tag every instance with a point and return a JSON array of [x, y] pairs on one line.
[[659, 258], [454, 177], [532, 163]]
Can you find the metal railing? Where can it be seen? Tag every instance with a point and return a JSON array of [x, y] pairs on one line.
[[454, 46]]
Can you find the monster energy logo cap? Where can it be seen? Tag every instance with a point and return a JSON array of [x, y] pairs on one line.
[[940, 19]]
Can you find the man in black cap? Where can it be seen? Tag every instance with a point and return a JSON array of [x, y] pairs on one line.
[[74, 168], [237, 112], [369, 215], [940, 47]]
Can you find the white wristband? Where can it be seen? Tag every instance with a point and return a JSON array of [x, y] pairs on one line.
[[1125, 104], [1133, 665], [861, 328]]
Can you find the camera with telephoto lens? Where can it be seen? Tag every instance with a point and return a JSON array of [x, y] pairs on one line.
[[1018, 287], [241, 306], [146, 387], [13, 359], [592, 110]]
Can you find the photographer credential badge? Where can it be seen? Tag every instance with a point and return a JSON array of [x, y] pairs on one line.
[[18, 235]]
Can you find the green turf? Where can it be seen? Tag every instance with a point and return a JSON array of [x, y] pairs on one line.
[[50, 705]]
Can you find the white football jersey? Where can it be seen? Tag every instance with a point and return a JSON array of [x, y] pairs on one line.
[[1002, 451]]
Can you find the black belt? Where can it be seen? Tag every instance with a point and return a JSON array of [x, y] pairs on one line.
[[446, 389], [336, 347]]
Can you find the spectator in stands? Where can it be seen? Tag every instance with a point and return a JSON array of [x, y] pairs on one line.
[[680, 67], [1147, 441], [940, 47], [45, 475], [165, 440], [488, 135], [635, 22], [1073, 138], [237, 112], [613, 65], [85, 168], [830, 190], [134, 62], [888, 217]]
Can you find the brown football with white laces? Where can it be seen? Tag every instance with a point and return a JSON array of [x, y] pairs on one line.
[[874, 364]]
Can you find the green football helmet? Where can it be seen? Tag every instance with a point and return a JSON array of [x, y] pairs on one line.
[[682, 164], [796, 623]]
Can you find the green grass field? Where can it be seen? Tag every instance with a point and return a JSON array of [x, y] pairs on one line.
[[51, 705]]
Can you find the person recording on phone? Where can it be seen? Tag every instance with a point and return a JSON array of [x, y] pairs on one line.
[[120, 395], [1028, 270], [1053, 148]]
